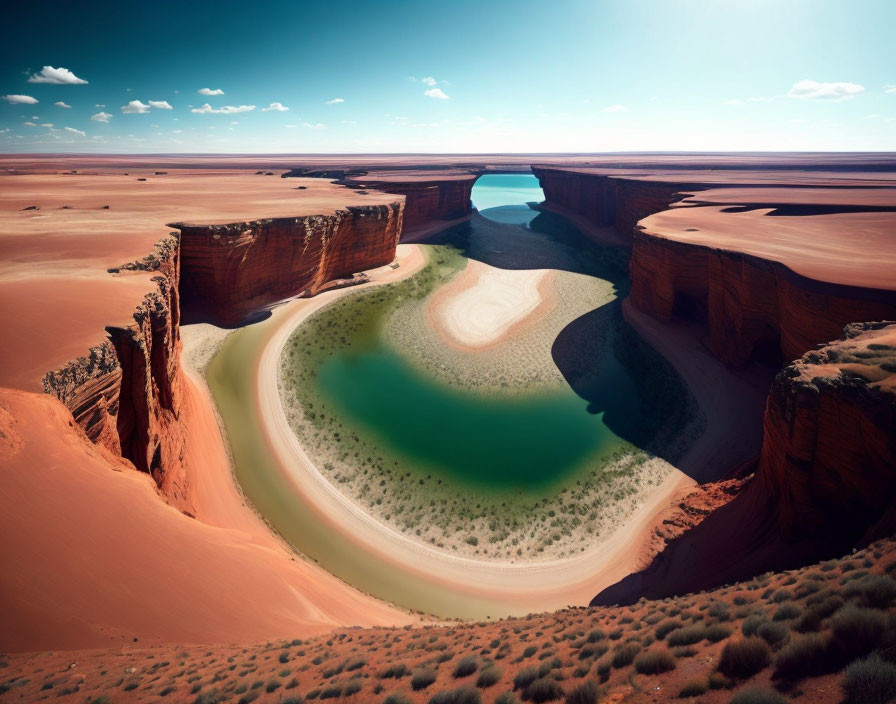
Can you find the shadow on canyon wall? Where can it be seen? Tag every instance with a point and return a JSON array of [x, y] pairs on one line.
[[602, 358]]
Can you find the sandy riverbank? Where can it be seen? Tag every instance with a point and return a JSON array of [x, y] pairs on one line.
[[518, 587]]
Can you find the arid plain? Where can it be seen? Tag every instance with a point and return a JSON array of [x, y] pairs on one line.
[[209, 529]]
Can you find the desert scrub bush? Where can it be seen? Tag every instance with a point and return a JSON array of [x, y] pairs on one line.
[[717, 632], [291, 700], [396, 698], [507, 698], [808, 655], [719, 610], [592, 651], [856, 631], [744, 658], [775, 634], [543, 689], [466, 666], [213, 696], [687, 635], [693, 688], [787, 611], [461, 695], [524, 677], [874, 590], [394, 671], [758, 695], [272, 686], [488, 676], [871, 680], [421, 679], [530, 651], [666, 627], [625, 654], [585, 693], [596, 635], [355, 663], [284, 657], [653, 662], [751, 624]]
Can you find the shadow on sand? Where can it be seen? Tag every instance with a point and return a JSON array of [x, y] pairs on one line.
[[602, 358]]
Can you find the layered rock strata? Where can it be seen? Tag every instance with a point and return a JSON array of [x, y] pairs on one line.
[[825, 480], [231, 271], [430, 195]]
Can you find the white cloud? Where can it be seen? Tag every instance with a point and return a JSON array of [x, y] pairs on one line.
[[20, 99], [334, 101], [437, 93], [160, 104], [101, 117], [209, 91], [72, 129], [277, 107], [226, 110], [30, 124], [135, 107], [315, 126], [48, 125], [429, 80], [48, 74], [889, 88], [814, 90], [61, 104], [614, 108], [100, 105]]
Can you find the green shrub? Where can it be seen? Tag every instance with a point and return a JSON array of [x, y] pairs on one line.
[[465, 666], [787, 612], [687, 635], [775, 634], [585, 693], [507, 698], [744, 658], [875, 590], [461, 695], [693, 688], [530, 651], [488, 676], [592, 651], [421, 679], [758, 695], [751, 624], [717, 632], [524, 677], [666, 627], [653, 662], [870, 681], [804, 656], [397, 698], [543, 689], [213, 696], [856, 631], [625, 654], [394, 671]]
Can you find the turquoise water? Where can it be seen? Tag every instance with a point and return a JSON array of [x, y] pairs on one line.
[[504, 197], [521, 443]]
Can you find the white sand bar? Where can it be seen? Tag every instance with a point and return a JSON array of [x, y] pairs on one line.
[[483, 303]]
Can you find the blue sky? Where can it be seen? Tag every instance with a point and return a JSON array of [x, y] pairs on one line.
[[458, 76]]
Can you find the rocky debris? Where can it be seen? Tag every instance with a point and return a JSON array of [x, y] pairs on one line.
[[31, 207]]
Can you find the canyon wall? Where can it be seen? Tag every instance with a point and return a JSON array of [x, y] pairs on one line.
[[829, 454], [604, 199], [430, 195], [231, 271], [428, 198], [748, 305], [125, 393], [825, 480]]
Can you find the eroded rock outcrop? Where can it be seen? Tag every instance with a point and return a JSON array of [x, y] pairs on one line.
[[233, 270], [125, 393], [825, 481], [829, 454]]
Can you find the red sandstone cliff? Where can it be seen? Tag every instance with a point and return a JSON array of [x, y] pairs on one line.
[[748, 305], [826, 478], [233, 270], [125, 393], [430, 195]]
